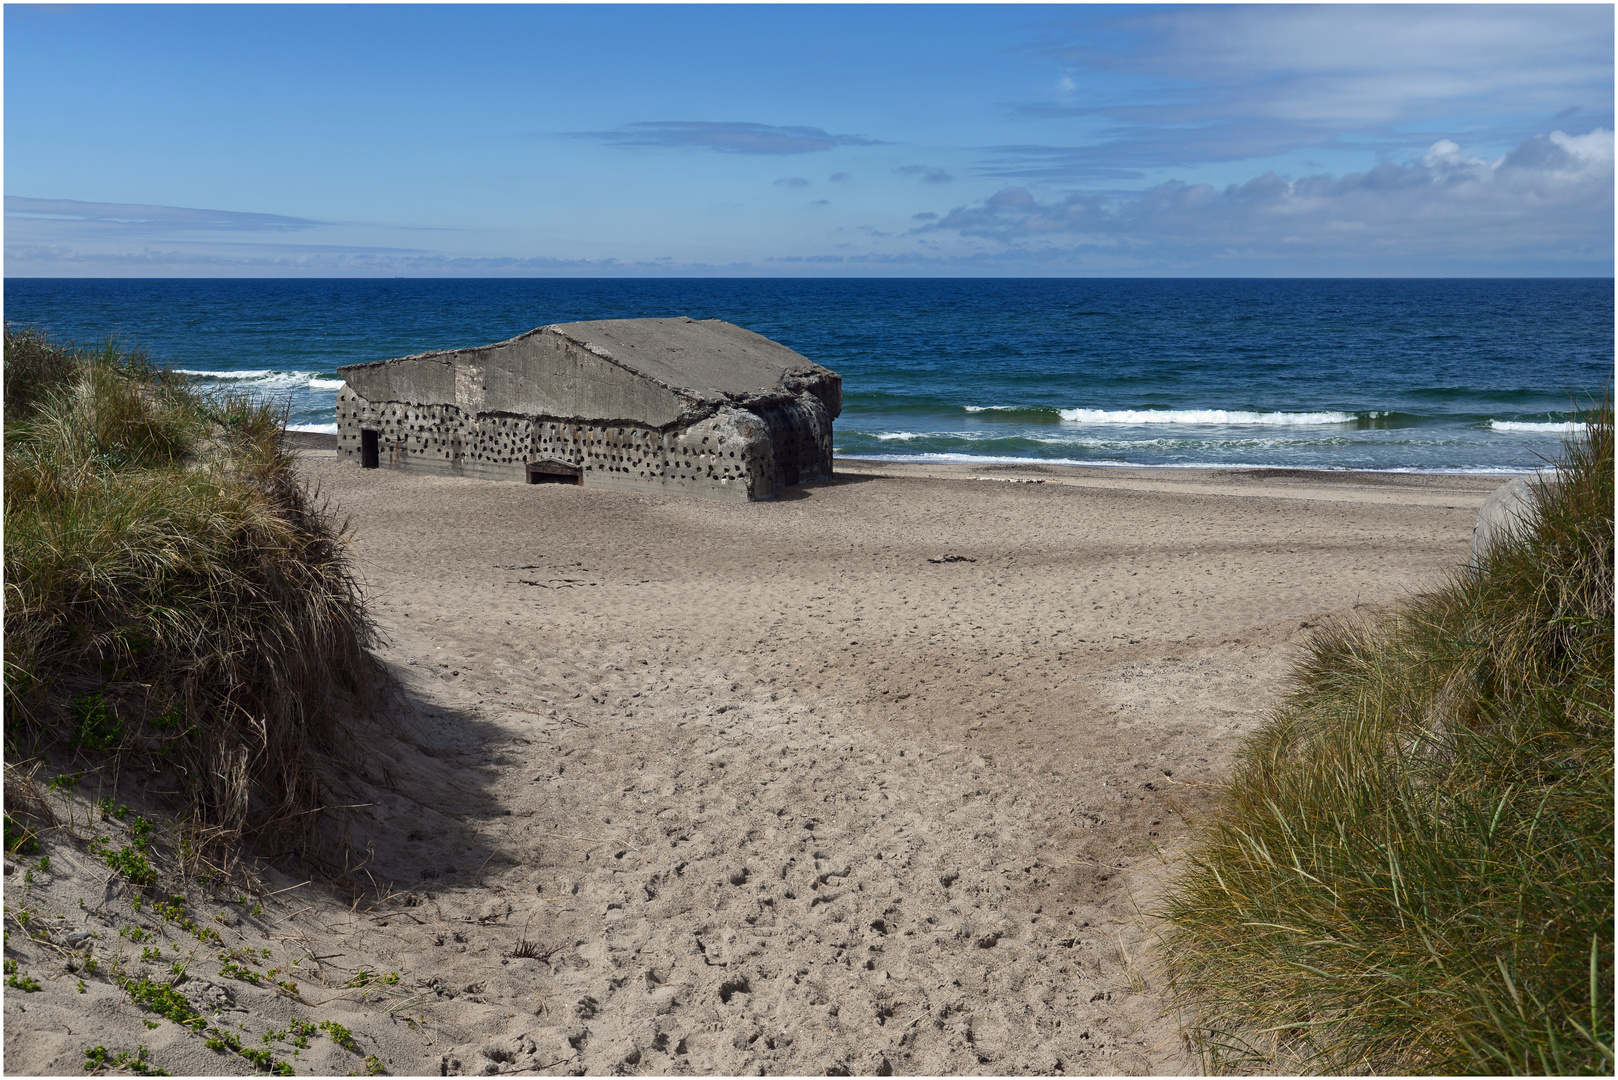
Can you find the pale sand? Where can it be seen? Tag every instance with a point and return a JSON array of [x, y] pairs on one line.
[[771, 789]]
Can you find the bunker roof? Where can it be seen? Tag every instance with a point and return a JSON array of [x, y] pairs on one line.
[[657, 371], [710, 358]]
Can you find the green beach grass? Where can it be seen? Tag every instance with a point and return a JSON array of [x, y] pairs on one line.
[[173, 594], [1411, 870]]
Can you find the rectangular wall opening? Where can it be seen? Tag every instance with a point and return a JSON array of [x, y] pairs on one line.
[[554, 472], [370, 451]]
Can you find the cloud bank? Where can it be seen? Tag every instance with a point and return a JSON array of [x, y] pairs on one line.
[[1550, 195]]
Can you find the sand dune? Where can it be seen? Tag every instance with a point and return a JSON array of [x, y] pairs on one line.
[[867, 779]]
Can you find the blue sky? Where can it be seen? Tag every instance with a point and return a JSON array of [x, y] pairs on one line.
[[908, 140]]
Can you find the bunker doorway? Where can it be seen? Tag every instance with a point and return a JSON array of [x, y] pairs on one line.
[[554, 472], [370, 453]]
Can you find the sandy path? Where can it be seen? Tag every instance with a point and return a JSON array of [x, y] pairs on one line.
[[770, 790], [786, 795]]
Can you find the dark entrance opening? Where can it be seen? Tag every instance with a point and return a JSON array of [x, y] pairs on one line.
[[370, 454], [554, 472]]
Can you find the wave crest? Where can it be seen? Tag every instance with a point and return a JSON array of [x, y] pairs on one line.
[[1220, 417], [266, 378], [1560, 426]]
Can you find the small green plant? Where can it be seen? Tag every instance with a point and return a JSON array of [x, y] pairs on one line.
[[222, 1040], [44, 864], [282, 1068], [361, 978], [127, 860], [303, 1027], [97, 726], [82, 988], [289, 986], [151, 955], [262, 1058], [339, 1035], [164, 1000], [98, 1059], [135, 933], [140, 831], [19, 838], [391, 978], [64, 782], [236, 971], [374, 1066], [256, 910], [27, 984]]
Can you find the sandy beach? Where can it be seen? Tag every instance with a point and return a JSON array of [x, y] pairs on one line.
[[873, 778]]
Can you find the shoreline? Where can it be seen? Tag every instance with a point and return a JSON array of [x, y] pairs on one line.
[[320, 440]]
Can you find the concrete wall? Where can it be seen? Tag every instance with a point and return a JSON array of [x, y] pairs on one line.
[[731, 455]]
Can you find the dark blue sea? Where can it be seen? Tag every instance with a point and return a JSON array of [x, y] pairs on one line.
[[1462, 375]]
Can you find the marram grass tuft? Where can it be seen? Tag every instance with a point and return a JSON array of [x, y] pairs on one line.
[[1411, 870], [172, 593]]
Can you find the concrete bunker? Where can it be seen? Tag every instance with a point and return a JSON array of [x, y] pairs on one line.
[[667, 405]]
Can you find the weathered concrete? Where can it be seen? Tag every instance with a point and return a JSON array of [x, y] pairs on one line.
[[669, 405]]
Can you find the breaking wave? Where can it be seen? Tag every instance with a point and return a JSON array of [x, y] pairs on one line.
[[1221, 417], [1012, 412], [265, 379], [1563, 426]]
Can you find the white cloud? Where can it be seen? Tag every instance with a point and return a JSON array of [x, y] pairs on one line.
[[1176, 87], [1551, 195], [139, 216]]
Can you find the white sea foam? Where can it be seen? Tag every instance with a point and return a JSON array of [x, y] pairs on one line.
[[1221, 417], [904, 436], [233, 376], [985, 459], [325, 429], [265, 379], [1528, 425]]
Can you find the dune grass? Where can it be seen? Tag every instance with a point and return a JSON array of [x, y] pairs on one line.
[[1411, 870], [172, 593]]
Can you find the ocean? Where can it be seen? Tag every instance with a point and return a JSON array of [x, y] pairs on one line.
[[1474, 375]]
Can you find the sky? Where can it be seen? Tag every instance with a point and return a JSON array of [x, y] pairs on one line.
[[775, 140]]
